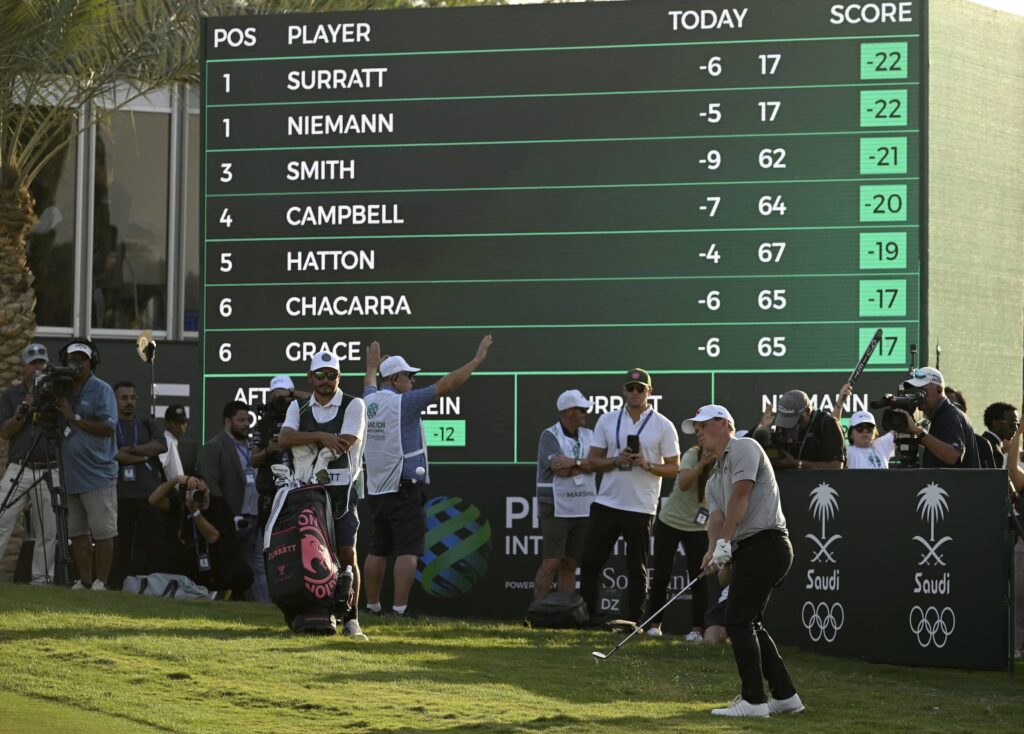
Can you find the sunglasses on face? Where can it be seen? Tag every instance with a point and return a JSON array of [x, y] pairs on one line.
[[636, 387], [865, 427], [325, 375]]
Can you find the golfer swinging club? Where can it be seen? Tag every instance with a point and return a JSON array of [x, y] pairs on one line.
[[746, 528]]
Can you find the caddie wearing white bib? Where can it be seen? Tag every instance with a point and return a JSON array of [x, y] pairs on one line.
[[566, 487], [396, 467]]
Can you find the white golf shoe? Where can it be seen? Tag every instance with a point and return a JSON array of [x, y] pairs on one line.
[[654, 632], [353, 630], [741, 707], [791, 705]]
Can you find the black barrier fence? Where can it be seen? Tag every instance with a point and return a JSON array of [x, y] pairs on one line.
[[903, 566]]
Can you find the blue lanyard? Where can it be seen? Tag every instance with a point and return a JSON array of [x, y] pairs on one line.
[[618, 425], [120, 434], [245, 453]]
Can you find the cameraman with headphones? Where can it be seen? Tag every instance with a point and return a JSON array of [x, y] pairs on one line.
[[817, 439], [90, 466], [206, 547]]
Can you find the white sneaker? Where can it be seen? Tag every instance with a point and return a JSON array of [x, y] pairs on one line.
[[79, 586], [654, 632], [98, 585], [353, 630], [695, 636], [791, 705], [741, 707]]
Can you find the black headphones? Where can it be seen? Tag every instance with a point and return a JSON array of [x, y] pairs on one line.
[[94, 359]]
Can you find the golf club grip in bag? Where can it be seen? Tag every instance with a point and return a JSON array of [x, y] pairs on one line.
[[303, 576]]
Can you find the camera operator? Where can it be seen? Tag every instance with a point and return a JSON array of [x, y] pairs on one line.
[[90, 466], [950, 441], [15, 408], [267, 449], [813, 435], [209, 552]]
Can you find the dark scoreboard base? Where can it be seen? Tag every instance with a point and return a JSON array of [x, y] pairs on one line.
[[908, 567]]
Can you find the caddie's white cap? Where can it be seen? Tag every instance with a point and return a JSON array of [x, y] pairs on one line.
[[282, 382], [926, 376], [394, 365], [861, 417], [324, 361], [706, 413], [573, 399]]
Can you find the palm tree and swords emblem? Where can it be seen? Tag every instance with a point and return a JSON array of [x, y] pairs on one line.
[[824, 502], [931, 503]]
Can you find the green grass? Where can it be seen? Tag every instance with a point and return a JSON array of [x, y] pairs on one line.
[[83, 662]]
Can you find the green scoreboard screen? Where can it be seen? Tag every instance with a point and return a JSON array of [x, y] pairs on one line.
[[729, 195]]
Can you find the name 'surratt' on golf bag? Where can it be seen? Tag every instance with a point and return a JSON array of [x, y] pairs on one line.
[[303, 576]]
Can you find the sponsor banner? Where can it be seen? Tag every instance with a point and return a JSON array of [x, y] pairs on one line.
[[899, 566]]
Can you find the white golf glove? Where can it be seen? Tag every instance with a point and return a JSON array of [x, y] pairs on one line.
[[722, 554]]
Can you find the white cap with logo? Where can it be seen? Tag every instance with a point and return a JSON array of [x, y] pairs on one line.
[[325, 361], [926, 376], [572, 399], [706, 413], [394, 365], [860, 418], [282, 382]]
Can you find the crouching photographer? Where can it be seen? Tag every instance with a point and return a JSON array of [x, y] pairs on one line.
[[203, 544], [949, 442], [801, 437]]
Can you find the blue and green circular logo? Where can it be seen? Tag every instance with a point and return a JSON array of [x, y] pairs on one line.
[[458, 546]]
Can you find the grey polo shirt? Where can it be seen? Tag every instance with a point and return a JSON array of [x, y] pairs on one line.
[[744, 459]]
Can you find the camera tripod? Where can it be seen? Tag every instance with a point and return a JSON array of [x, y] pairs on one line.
[[58, 499]]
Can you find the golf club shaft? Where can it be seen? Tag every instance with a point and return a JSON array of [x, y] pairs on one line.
[[641, 625]]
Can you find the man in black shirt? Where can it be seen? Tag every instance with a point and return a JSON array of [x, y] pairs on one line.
[[202, 536], [1001, 421], [15, 406], [950, 442], [140, 442], [817, 439]]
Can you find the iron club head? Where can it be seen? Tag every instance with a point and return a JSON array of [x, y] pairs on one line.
[[599, 655]]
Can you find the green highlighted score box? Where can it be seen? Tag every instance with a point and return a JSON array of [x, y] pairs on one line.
[[883, 250], [891, 350], [883, 298], [445, 433], [883, 108], [884, 61], [881, 156], [883, 203]]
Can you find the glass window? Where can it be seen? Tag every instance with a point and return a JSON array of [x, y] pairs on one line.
[[191, 204], [51, 242], [129, 267]]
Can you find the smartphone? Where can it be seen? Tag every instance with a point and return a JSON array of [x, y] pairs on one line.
[[633, 443]]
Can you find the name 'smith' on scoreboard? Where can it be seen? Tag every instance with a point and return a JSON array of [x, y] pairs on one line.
[[702, 189]]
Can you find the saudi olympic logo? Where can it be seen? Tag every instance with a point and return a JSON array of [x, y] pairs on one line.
[[824, 503], [932, 626], [931, 503], [371, 410], [822, 620]]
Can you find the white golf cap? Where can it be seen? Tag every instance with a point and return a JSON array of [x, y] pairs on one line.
[[79, 347], [925, 376], [706, 413], [324, 361], [860, 418], [573, 399], [34, 352], [282, 382], [395, 365]]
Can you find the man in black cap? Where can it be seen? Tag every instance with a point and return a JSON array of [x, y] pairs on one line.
[[636, 447], [32, 456], [813, 438]]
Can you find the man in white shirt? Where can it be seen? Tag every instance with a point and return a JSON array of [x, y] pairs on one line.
[[175, 425], [636, 448], [331, 419]]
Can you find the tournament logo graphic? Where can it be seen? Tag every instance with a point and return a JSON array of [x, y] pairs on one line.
[[458, 547], [371, 410], [823, 619], [932, 624], [932, 504]]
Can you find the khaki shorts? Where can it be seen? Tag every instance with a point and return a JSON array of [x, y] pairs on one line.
[[563, 537], [93, 513]]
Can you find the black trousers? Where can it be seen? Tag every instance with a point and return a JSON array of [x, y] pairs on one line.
[[759, 564], [605, 527], [140, 544], [695, 543]]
